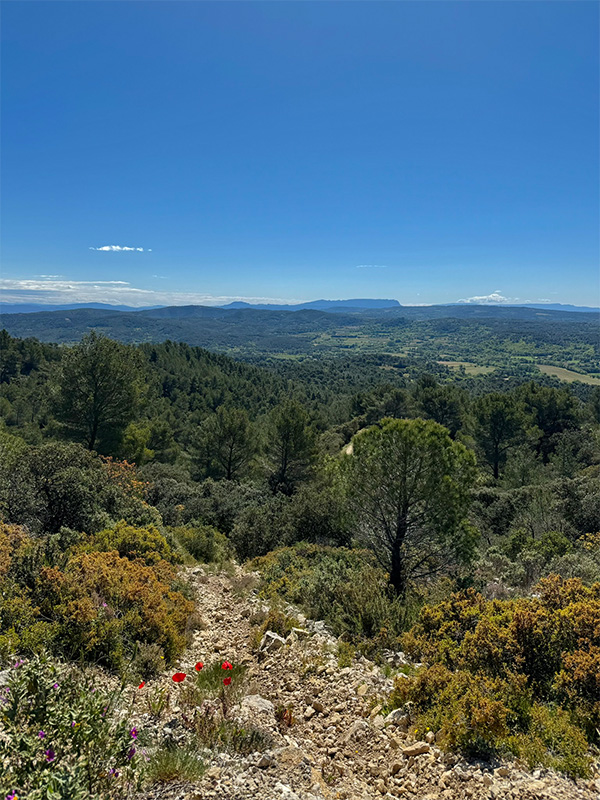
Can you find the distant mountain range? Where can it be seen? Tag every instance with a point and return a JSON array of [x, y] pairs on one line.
[[34, 308], [319, 305], [330, 306], [302, 330]]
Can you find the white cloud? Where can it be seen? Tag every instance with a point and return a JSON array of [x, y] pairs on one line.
[[119, 248], [371, 266], [494, 297], [57, 292]]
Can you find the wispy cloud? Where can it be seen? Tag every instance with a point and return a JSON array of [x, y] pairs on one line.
[[371, 266], [118, 248], [52, 291]]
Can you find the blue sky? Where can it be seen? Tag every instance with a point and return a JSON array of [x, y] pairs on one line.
[[424, 151]]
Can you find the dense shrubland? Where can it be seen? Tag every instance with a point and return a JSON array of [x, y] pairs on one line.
[[519, 675], [455, 518], [96, 598]]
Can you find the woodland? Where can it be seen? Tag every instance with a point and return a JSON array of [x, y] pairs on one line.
[[412, 506]]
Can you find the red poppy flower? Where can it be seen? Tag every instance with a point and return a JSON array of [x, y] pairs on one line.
[[178, 677], [226, 665], [198, 666], [226, 681], [142, 684]]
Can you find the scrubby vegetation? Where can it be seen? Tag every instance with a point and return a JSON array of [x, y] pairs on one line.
[[342, 586], [519, 675], [96, 599], [62, 736], [454, 517]]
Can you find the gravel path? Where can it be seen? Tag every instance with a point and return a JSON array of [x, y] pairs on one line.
[[338, 746]]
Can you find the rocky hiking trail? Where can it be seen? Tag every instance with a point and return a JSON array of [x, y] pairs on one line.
[[339, 745]]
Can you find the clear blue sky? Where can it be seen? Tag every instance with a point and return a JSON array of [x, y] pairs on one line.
[[272, 149]]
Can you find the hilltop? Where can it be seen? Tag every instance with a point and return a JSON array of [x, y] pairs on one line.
[[478, 336]]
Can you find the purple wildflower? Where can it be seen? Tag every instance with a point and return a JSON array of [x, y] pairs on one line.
[[50, 755], [41, 734], [133, 733], [113, 772], [131, 753], [11, 796], [55, 685], [18, 663], [73, 724]]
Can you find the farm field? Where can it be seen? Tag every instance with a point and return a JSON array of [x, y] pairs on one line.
[[568, 375], [470, 368]]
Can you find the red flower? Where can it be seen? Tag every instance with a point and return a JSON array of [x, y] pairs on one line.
[[226, 665], [178, 677], [198, 666], [142, 684], [226, 681]]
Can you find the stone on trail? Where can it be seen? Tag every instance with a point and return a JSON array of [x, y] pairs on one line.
[[360, 726], [398, 717], [285, 791], [265, 760], [271, 641], [254, 702], [416, 749]]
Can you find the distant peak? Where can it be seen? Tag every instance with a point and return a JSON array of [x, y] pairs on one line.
[[318, 305]]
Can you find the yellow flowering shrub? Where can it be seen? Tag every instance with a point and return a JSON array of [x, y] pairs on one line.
[[495, 669]]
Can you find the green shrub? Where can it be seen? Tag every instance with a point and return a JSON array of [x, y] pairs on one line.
[[464, 708], [279, 623], [345, 654], [60, 485], [148, 662], [202, 542], [515, 674], [22, 630], [147, 544], [104, 604], [339, 585], [262, 528], [62, 736], [554, 742]]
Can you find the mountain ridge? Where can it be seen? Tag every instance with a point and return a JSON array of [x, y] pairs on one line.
[[317, 305], [335, 306]]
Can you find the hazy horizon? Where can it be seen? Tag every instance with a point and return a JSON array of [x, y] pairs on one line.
[[217, 302]]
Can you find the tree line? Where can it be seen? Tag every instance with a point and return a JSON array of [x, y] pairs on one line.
[[420, 450]]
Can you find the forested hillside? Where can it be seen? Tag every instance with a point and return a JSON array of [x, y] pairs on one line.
[[454, 517], [508, 337]]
